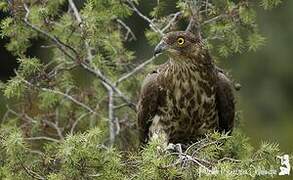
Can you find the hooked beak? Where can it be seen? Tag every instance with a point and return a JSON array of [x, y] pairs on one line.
[[161, 47]]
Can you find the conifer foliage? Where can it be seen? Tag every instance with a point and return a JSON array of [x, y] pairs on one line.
[[71, 113]]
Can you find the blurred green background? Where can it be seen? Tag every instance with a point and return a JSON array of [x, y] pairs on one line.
[[265, 100]]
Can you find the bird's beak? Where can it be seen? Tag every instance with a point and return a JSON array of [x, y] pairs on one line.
[[161, 47]]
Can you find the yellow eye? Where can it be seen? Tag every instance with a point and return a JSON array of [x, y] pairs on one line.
[[180, 41]]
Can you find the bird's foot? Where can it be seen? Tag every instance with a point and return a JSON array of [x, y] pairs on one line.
[[174, 148]]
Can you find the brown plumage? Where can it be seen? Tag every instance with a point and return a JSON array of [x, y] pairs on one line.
[[186, 97]]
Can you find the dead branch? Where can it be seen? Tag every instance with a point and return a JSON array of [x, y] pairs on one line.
[[111, 115], [129, 31]]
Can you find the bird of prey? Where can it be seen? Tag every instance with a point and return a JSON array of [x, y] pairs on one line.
[[186, 97]]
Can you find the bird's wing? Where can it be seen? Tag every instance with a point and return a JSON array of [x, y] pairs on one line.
[[225, 102], [147, 105]]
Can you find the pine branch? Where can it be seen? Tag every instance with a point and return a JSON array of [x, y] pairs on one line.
[[67, 96], [97, 72], [62, 46], [104, 79], [151, 23]]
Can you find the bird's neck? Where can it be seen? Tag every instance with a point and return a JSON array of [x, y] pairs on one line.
[[189, 68], [194, 56], [194, 62]]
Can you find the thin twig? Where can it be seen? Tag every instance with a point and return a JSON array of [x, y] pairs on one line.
[[75, 11], [129, 31], [62, 46], [184, 157], [79, 20], [117, 125], [229, 159], [175, 16], [31, 173], [134, 71], [111, 115], [195, 144], [77, 121], [20, 115], [56, 127], [57, 70], [70, 98], [213, 19], [37, 152], [212, 143], [194, 25], [67, 96], [151, 23], [43, 138], [97, 72], [121, 106], [104, 79]]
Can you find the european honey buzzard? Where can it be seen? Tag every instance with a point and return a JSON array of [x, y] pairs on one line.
[[187, 96]]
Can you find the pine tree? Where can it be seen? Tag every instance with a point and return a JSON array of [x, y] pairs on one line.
[[73, 116]]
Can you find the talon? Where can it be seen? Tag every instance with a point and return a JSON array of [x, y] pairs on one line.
[[178, 148], [174, 148], [171, 147]]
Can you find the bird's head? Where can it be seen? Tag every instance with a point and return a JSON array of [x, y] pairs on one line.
[[179, 44]]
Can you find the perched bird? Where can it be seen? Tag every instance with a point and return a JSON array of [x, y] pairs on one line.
[[186, 97]]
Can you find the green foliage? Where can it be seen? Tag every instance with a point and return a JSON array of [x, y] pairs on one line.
[[13, 88], [59, 124], [48, 100], [29, 66], [79, 156], [269, 4], [159, 9], [82, 156], [216, 156], [256, 40], [13, 152], [153, 161], [152, 37]]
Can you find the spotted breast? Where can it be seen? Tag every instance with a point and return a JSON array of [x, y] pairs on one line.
[[188, 110]]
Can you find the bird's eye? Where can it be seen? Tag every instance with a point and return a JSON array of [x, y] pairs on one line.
[[180, 41]]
